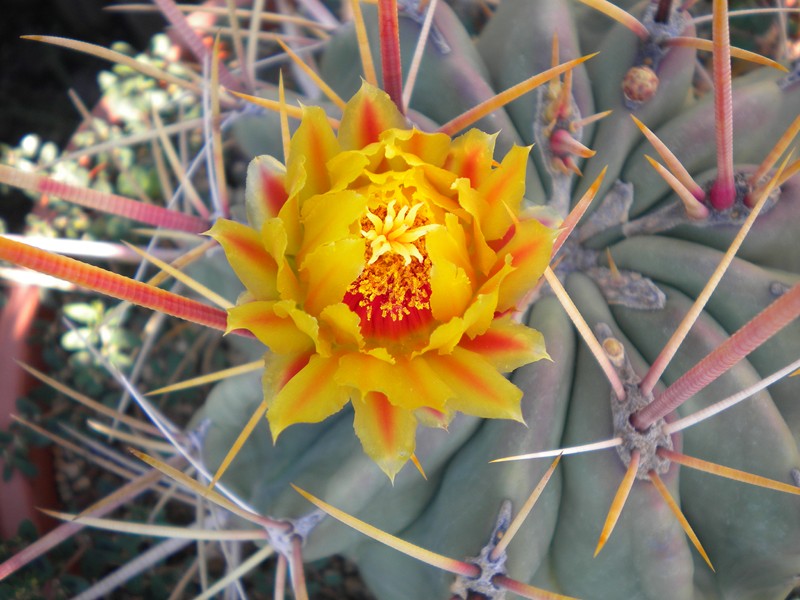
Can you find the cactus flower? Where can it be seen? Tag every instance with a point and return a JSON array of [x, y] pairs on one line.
[[382, 267]]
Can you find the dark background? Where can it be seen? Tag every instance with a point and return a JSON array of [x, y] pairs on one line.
[[35, 77]]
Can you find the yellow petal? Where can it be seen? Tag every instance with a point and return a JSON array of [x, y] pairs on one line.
[[434, 418], [265, 192], [529, 249], [437, 191], [312, 146], [451, 289], [387, 432], [346, 167], [329, 270], [479, 389], [330, 217], [287, 309], [471, 156], [289, 217], [368, 114], [278, 332], [451, 271], [441, 181], [417, 147], [280, 368], [478, 208], [449, 243], [445, 337], [507, 345], [274, 239], [409, 384], [254, 267], [480, 314], [476, 319], [311, 396], [341, 326], [503, 191]]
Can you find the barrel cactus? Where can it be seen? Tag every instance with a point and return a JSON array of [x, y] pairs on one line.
[[387, 265]]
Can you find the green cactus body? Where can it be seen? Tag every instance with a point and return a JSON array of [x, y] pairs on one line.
[[752, 535]]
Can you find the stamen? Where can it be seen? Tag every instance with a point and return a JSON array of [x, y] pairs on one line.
[[392, 294], [395, 233]]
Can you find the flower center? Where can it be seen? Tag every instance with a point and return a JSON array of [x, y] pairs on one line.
[[392, 294], [396, 232]]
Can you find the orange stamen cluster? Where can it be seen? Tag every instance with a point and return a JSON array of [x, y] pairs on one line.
[[392, 294]]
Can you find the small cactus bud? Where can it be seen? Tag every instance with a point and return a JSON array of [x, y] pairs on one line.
[[640, 84]]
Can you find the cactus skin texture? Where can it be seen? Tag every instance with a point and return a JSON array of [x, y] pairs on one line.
[[752, 535]]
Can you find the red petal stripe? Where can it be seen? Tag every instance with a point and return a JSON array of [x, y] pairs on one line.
[[384, 412], [293, 368], [369, 125], [494, 341], [274, 192]]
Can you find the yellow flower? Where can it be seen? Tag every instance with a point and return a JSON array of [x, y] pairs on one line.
[[381, 268]]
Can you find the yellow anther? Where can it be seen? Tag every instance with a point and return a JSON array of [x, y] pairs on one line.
[[396, 233]]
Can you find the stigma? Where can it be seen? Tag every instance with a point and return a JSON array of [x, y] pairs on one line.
[[396, 233]]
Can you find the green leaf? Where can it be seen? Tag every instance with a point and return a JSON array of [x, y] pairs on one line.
[[83, 312], [77, 339]]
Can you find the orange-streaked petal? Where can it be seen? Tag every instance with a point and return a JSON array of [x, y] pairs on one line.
[[253, 265], [387, 432], [503, 191], [329, 218], [265, 192], [475, 320], [508, 345], [434, 418], [279, 370], [408, 384], [311, 396], [479, 389], [471, 156], [312, 146], [368, 114], [329, 270], [530, 249], [275, 329]]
